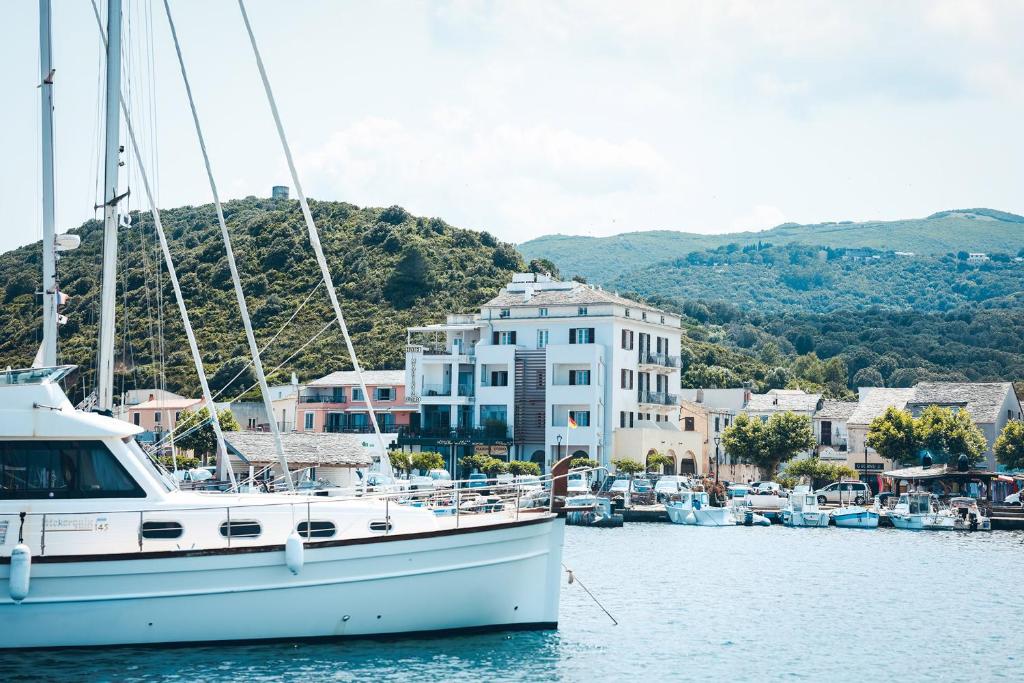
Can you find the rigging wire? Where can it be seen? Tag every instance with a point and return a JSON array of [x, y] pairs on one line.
[[226, 237], [314, 239], [173, 276], [269, 343]]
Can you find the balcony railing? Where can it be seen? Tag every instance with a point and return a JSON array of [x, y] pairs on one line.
[[322, 398], [662, 359], [385, 428], [436, 390], [466, 389], [502, 432], [658, 398]]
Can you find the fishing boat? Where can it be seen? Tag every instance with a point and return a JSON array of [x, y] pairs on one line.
[[855, 517], [99, 546], [967, 516], [914, 511], [802, 510], [694, 508]]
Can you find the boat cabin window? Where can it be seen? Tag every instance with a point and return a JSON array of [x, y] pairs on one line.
[[380, 526], [240, 529], [161, 530], [316, 529], [63, 469]]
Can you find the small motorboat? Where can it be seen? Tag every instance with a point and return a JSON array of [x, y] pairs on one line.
[[802, 510], [745, 516], [694, 507], [967, 516], [589, 510], [855, 517], [914, 511]]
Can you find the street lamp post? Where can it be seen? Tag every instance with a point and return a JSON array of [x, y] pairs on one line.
[[558, 448], [718, 440]]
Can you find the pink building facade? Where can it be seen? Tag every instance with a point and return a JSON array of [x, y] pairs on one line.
[[160, 415], [335, 403]]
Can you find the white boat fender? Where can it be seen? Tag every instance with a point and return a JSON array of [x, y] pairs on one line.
[[294, 553], [21, 571]]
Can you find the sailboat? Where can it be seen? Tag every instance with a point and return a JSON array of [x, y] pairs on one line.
[[98, 546]]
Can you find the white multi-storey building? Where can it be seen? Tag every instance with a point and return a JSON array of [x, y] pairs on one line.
[[506, 381]]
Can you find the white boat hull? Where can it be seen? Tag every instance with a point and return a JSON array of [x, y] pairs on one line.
[[506, 576], [712, 516], [680, 514], [805, 519], [919, 522], [855, 517]]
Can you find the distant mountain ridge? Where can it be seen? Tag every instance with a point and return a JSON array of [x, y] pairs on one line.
[[602, 259]]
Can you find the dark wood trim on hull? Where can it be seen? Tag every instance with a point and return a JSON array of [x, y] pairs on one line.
[[379, 637], [313, 545]]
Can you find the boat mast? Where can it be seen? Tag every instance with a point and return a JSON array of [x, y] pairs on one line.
[[108, 293], [49, 348]]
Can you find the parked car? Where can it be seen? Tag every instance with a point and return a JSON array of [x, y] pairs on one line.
[[766, 488], [848, 491], [667, 486], [194, 474], [577, 484], [477, 480], [433, 479]]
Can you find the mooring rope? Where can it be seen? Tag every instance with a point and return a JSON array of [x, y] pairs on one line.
[[574, 579]]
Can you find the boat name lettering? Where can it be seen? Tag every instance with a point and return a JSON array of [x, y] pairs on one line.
[[77, 523], [869, 466]]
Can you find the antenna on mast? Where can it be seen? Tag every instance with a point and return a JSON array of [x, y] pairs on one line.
[[48, 352], [108, 291]]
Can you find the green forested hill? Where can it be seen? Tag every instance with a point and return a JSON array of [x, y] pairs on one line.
[[796, 278], [605, 258], [392, 270]]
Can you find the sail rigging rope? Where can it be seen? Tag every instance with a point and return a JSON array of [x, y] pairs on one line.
[[314, 238], [173, 275], [243, 308]]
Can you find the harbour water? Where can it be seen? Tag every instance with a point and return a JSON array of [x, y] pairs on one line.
[[693, 603]]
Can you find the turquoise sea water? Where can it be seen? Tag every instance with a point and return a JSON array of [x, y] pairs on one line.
[[708, 604]]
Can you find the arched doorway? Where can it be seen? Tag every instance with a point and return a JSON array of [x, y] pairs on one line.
[[538, 457], [688, 463], [670, 468], [580, 453]]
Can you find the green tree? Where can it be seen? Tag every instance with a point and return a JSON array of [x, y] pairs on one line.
[[785, 435], [401, 461], [494, 466], [475, 462], [427, 460], [523, 467], [1009, 446], [585, 463], [411, 278], [964, 438], [656, 461], [196, 431], [627, 466], [544, 266], [893, 435], [868, 377], [744, 439]]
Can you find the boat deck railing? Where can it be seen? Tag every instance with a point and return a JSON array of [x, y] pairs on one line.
[[456, 504]]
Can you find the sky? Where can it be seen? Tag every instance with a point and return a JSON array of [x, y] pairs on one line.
[[526, 118]]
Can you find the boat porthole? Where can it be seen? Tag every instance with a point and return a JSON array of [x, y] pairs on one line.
[[378, 616], [345, 618], [516, 608]]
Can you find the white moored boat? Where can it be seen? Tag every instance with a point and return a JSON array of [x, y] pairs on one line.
[[914, 511], [99, 548], [802, 510], [694, 507]]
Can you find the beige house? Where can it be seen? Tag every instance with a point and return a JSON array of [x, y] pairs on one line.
[[159, 415], [647, 437], [706, 423]]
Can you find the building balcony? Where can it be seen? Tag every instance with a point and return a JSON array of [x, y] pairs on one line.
[[322, 398], [436, 390], [660, 398], [662, 360], [498, 433], [385, 428]]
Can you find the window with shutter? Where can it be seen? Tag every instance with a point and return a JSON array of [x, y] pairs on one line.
[[494, 338], [572, 335]]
